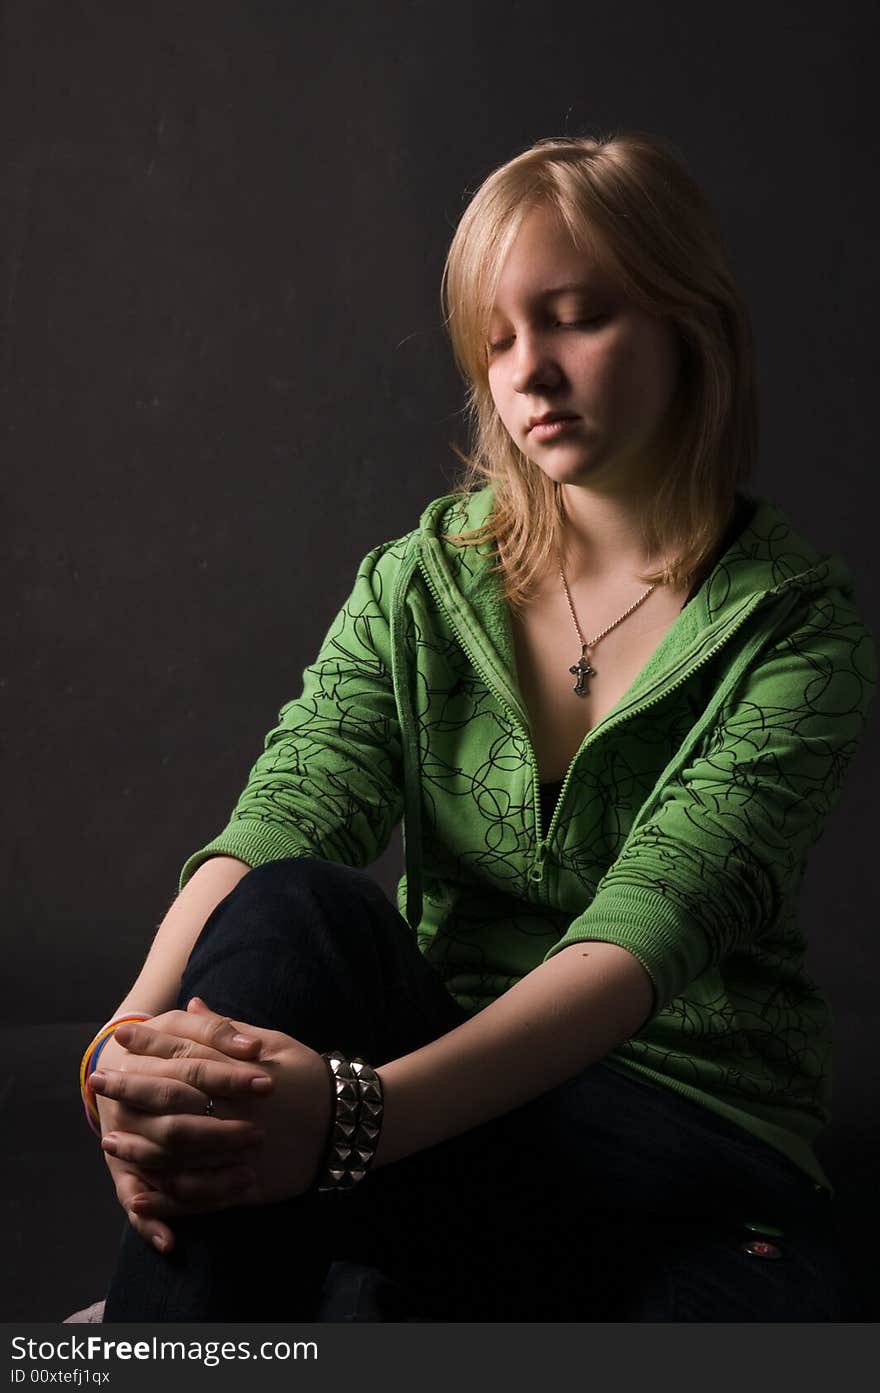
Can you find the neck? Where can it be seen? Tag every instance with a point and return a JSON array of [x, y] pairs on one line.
[[603, 533]]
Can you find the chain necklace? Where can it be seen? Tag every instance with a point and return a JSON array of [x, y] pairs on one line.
[[583, 668]]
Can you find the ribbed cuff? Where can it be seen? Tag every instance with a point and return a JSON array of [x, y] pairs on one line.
[[251, 841], [667, 941]]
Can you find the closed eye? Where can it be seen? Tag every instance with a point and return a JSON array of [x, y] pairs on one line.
[[560, 324]]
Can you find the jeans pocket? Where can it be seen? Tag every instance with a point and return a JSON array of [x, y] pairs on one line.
[[722, 1273]]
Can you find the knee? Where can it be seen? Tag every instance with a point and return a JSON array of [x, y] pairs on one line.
[[282, 902], [294, 877], [288, 926], [265, 921]]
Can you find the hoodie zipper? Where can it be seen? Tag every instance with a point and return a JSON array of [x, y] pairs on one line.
[[536, 869]]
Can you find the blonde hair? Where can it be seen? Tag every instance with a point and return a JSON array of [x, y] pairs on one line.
[[630, 201]]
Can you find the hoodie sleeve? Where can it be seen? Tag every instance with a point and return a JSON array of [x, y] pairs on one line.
[[329, 781], [719, 847]]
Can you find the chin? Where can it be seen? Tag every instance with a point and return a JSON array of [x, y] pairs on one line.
[[568, 467]]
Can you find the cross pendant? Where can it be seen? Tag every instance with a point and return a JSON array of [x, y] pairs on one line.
[[582, 669]]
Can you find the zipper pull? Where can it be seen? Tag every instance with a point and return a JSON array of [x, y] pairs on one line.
[[536, 873]]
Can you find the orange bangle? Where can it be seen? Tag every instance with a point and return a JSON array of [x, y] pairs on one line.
[[90, 1059]]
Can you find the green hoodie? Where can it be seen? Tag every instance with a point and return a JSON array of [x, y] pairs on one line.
[[683, 823]]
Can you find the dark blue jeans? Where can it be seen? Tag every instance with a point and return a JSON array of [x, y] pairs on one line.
[[605, 1198]]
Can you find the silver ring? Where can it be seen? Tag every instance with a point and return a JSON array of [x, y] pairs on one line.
[[209, 1110]]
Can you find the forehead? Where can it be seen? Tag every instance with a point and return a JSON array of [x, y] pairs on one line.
[[542, 260]]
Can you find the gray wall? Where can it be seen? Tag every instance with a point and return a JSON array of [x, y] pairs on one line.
[[225, 379]]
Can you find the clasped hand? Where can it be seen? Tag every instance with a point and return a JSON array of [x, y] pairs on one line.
[[263, 1142]]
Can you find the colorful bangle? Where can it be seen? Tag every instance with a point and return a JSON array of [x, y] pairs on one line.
[[90, 1059]]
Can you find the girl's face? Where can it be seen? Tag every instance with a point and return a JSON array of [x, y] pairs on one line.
[[562, 339]]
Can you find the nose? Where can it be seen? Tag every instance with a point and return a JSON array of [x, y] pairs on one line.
[[533, 366]]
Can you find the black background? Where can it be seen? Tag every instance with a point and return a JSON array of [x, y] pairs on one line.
[[225, 378]]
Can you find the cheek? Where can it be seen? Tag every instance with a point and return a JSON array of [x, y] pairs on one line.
[[637, 377], [501, 396], [610, 375]]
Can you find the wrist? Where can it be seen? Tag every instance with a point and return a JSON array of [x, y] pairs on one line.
[[110, 1056]]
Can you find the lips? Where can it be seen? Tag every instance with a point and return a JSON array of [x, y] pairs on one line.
[[551, 417]]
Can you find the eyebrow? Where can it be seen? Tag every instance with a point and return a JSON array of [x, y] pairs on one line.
[[584, 287], [569, 285]]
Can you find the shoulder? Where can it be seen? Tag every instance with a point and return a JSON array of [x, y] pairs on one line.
[[819, 585], [396, 557], [449, 512], [816, 669], [768, 554], [803, 642]]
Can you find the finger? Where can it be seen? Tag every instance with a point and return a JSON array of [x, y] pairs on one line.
[[221, 1029], [222, 1077], [208, 1028], [142, 1039], [151, 1156], [156, 1093], [185, 1136], [196, 1192], [139, 1151], [160, 1095], [150, 1228]]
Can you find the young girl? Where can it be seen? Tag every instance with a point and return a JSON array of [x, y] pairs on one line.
[[612, 696]]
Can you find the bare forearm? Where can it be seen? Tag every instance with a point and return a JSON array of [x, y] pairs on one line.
[[157, 984], [566, 1014]]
